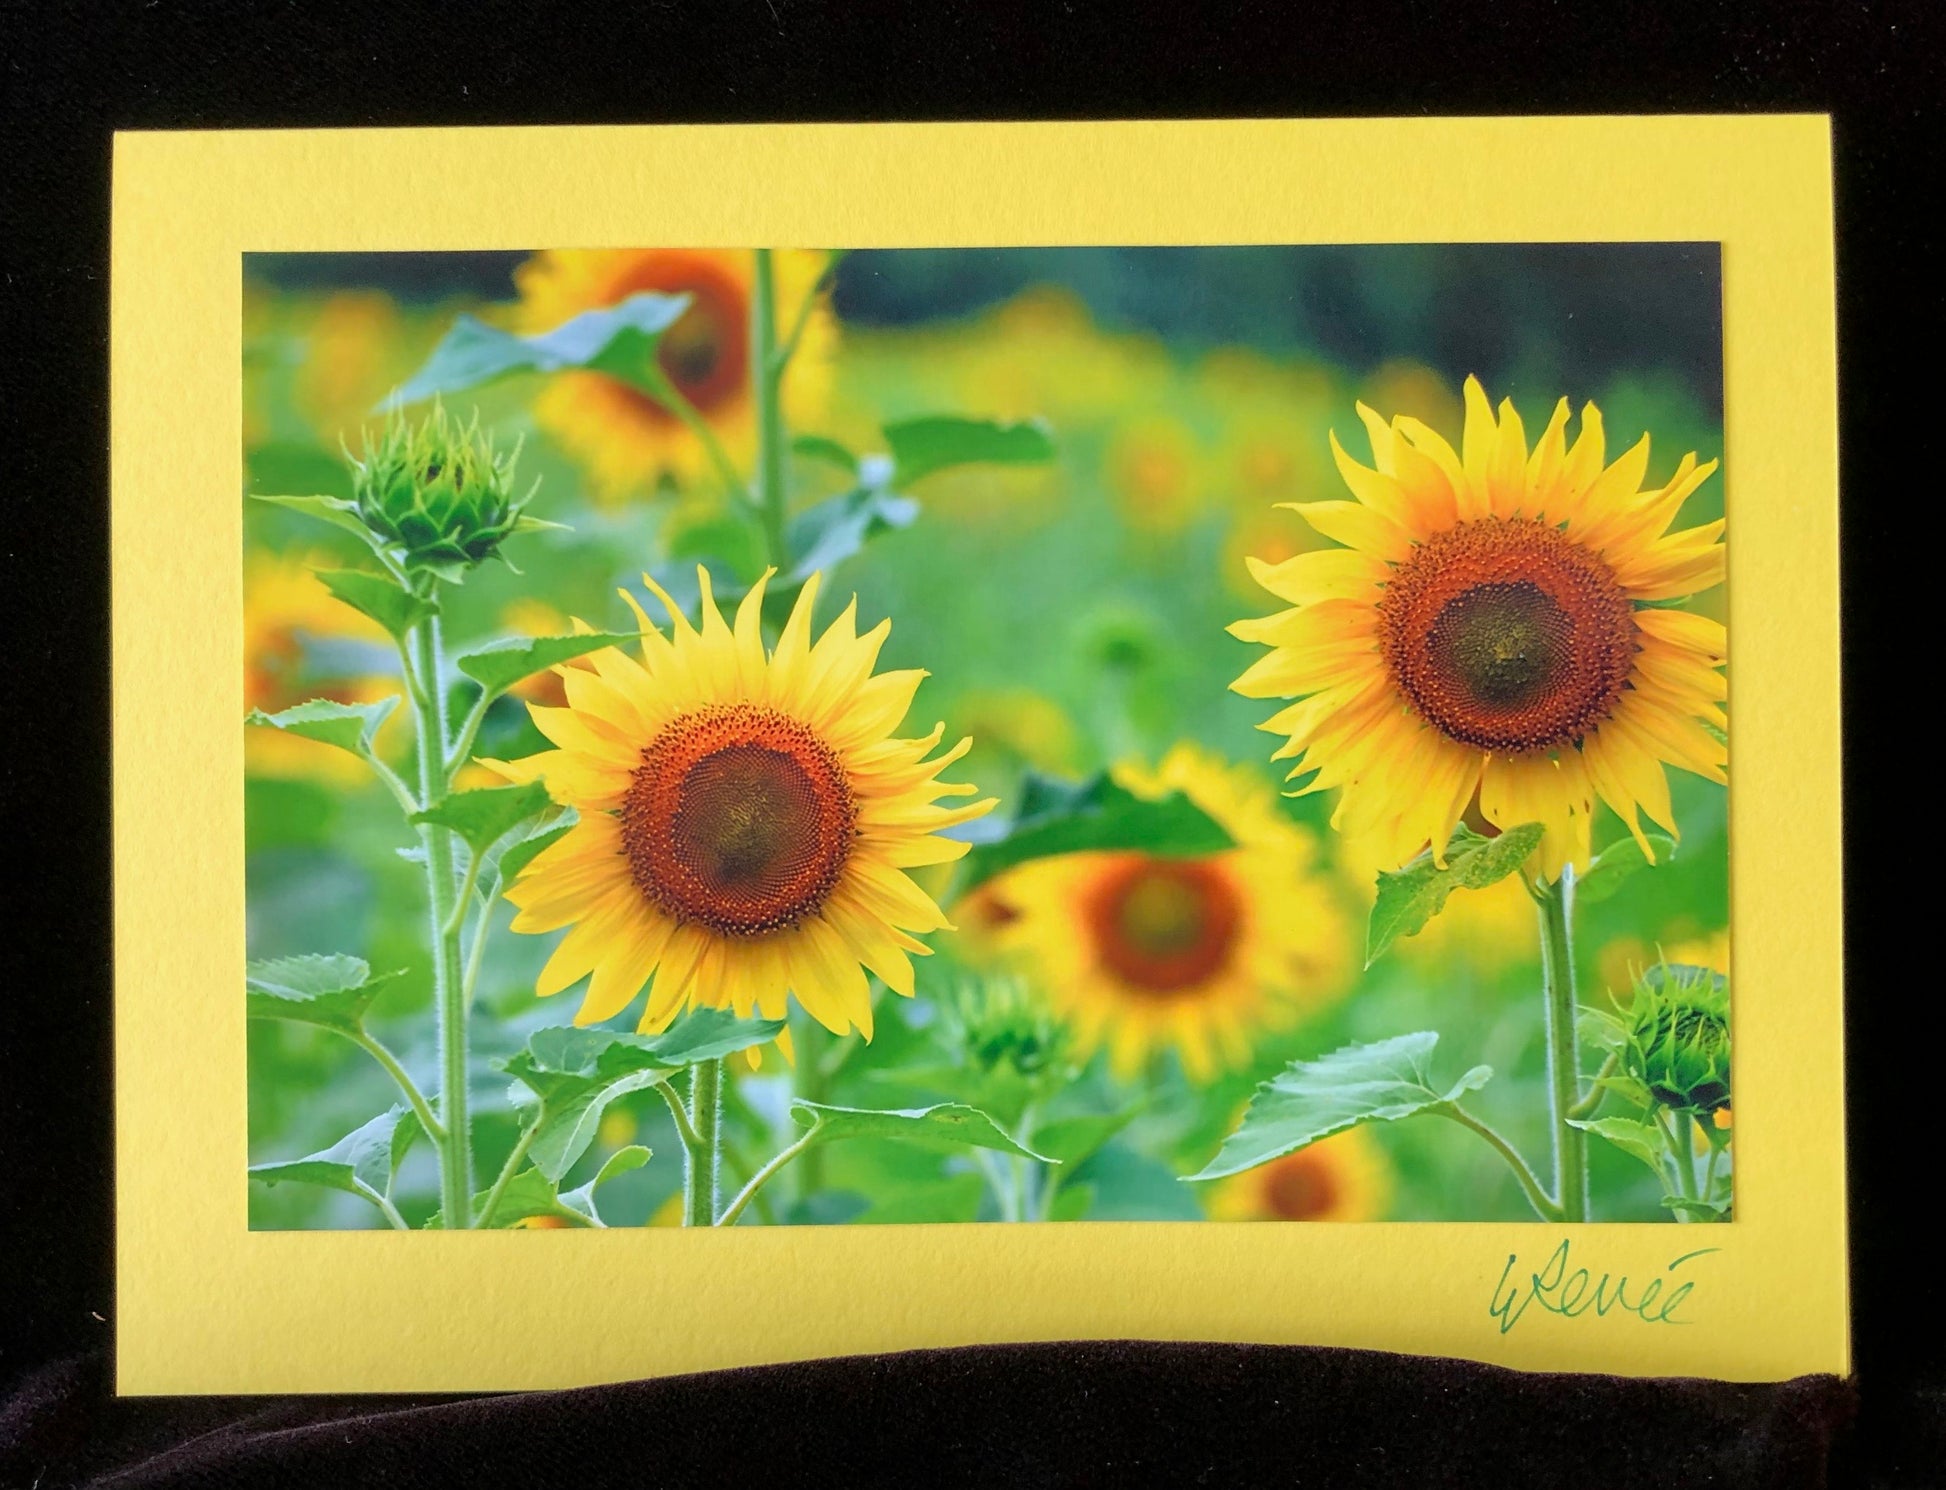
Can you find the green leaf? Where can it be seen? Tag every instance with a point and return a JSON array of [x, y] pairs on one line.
[[1310, 1100], [404, 1136], [950, 1125], [340, 512], [1626, 1087], [528, 1194], [576, 1073], [1702, 1210], [922, 446], [1410, 897], [486, 814], [379, 596], [726, 540], [1072, 1140], [1600, 1028], [621, 1162], [1643, 1140], [1616, 863], [498, 667], [821, 447], [836, 528], [522, 851], [348, 726], [1063, 817], [331, 990], [619, 340], [360, 1163]]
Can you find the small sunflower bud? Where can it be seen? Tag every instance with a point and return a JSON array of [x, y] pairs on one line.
[[999, 1023], [1679, 1038], [439, 491]]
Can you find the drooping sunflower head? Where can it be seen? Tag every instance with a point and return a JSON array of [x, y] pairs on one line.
[[1495, 629], [1345, 1177], [746, 820], [629, 441], [1144, 952]]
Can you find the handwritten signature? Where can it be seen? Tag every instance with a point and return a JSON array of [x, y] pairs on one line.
[[1573, 1292]]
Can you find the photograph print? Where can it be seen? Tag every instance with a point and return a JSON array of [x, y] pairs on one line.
[[770, 736]]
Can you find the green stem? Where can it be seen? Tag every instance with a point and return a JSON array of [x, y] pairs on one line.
[[705, 1116], [1530, 1186], [449, 981], [996, 1178], [773, 500], [666, 393], [1563, 1052], [1585, 1108], [476, 954], [507, 1172], [742, 1164], [788, 349], [762, 1176], [386, 1208], [1680, 1160], [469, 731], [393, 784], [1709, 1169], [421, 1109], [456, 923], [684, 1131]]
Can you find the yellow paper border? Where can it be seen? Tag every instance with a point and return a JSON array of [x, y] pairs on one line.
[[205, 1305]]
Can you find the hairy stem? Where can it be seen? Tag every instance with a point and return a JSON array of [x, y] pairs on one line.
[[1585, 1108], [1563, 1052], [1530, 1185], [762, 1177], [507, 1172], [442, 894], [705, 1118], [391, 1212], [421, 1109]]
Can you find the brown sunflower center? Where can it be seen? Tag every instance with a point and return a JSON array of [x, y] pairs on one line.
[[1300, 1187], [1508, 635], [739, 818], [1164, 925], [705, 353]]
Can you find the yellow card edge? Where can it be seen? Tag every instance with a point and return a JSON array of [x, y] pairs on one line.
[[205, 1305]]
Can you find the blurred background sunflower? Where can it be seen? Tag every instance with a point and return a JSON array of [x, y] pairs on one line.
[[1070, 617], [1199, 955], [627, 440]]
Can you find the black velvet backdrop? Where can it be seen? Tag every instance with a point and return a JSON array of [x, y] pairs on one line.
[[1077, 1414]]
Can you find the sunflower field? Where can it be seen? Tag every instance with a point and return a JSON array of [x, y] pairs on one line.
[[750, 737]]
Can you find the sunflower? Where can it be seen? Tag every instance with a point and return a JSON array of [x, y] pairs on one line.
[[1496, 629], [746, 821], [1345, 1177], [1155, 471], [627, 439], [291, 623], [351, 357], [1141, 951]]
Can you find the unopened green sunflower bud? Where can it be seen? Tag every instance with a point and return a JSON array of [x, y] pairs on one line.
[[1679, 1038], [438, 491], [1000, 1023]]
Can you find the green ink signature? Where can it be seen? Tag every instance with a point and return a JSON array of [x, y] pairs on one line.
[[1573, 1293]]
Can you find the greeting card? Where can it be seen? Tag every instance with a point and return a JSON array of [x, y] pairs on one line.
[[904, 736]]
